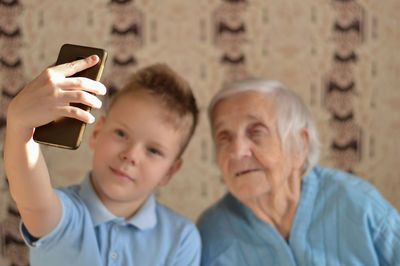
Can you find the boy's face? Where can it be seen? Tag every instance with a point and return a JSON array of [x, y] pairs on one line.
[[135, 150]]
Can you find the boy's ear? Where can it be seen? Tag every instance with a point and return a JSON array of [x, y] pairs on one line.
[[95, 132], [174, 168]]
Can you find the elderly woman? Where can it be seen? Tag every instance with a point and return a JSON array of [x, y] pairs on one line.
[[282, 209]]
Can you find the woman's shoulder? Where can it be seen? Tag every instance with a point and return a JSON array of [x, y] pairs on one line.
[[338, 181], [348, 192], [218, 226], [218, 220]]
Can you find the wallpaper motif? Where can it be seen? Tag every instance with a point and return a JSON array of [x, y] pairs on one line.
[[341, 56], [230, 36], [126, 39], [341, 86], [12, 80]]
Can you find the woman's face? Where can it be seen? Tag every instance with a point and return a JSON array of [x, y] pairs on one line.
[[249, 149]]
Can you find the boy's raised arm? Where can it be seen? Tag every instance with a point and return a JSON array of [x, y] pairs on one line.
[[43, 100]]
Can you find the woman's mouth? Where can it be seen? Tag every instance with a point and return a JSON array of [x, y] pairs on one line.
[[244, 172]]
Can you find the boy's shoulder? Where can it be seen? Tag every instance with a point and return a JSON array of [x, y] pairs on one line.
[[174, 227], [72, 201], [168, 217], [71, 192]]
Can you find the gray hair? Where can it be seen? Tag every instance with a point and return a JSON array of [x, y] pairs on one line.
[[292, 113]]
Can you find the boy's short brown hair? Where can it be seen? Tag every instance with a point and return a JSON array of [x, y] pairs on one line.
[[174, 93]]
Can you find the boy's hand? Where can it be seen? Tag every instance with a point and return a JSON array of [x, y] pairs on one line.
[[48, 96], [43, 100]]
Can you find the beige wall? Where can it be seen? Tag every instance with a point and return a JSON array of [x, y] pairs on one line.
[[211, 42]]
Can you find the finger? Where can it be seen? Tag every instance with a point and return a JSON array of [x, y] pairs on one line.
[[68, 69], [81, 97], [83, 84], [77, 113]]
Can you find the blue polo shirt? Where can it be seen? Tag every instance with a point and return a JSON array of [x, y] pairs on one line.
[[88, 234], [340, 220]]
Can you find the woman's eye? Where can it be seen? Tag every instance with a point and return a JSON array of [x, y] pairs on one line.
[[257, 135], [255, 132], [222, 138]]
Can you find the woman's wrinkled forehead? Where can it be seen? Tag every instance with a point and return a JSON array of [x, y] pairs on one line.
[[237, 87], [250, 102]]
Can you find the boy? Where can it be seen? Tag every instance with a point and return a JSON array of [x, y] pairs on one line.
[[111, 218]]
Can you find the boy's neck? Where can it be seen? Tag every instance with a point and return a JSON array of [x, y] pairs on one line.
[[122, 209], [118, 208]]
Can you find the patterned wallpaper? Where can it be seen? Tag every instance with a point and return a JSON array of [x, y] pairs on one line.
[[341, 56]]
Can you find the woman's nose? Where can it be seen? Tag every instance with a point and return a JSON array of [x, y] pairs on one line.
[[240, 148]]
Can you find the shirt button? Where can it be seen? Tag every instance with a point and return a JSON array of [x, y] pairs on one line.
[[116, 228], [114, 255]]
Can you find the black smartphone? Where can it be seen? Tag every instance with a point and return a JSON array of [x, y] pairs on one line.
[[67, 132]]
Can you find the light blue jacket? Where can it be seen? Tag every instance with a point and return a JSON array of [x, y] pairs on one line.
[[340, 220]]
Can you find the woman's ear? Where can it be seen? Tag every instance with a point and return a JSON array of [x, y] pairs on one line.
[[174, 168], [95, 132], [302, 149]]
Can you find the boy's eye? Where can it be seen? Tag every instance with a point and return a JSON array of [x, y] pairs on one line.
[[154, 151], [120, 133]]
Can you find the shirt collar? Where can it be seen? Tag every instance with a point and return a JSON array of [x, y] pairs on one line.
[[145, 217]]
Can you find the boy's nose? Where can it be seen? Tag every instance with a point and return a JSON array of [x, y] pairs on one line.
[[130, 154]]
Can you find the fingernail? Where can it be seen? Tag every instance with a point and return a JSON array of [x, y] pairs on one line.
[[93, 58], [103, 90], [91, 119], [99, 104]]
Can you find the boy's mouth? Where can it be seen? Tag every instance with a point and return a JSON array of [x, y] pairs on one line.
[[121, 174]]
